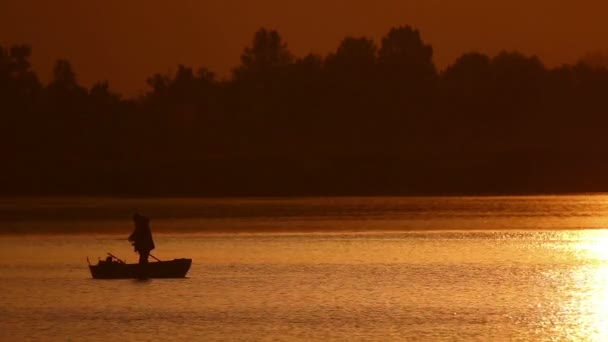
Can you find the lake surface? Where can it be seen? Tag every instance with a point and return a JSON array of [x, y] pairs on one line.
[[374, 269]]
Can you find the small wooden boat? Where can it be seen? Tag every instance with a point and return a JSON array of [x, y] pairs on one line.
[[115, 268]]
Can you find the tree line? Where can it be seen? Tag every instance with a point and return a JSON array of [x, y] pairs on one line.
[[365, 119]]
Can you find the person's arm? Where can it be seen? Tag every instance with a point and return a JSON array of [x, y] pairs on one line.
[[133, 235]]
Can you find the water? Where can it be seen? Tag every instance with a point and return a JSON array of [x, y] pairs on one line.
[[373, 269]]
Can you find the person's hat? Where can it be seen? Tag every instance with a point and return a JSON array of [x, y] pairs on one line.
[[138, 217]]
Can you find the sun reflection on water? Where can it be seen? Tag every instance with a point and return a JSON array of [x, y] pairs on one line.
[[590, 287], [594, 245]]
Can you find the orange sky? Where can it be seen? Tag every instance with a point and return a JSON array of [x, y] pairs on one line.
[[124, 41]]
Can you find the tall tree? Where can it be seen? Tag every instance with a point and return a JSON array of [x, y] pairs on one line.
[[267, 52], [403, 55], [19, 95], [354, 56]]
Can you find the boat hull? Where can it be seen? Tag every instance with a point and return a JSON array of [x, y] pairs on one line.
[[177, 268]]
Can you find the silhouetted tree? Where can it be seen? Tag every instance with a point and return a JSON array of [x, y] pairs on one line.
[[361, 120], [19, 97], [106, 115], [596, 59], [258, 105], [18, 83], [350, 75], [267, 52], [404, 57], [465, 104], [354, 58], [306, 94], [179, 108], [407, 78], [65, 105]]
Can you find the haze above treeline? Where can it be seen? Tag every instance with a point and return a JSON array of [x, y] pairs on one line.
[[368, 118]]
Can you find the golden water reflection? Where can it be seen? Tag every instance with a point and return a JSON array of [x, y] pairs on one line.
[[543, 285], [592, 285], [588, 291]]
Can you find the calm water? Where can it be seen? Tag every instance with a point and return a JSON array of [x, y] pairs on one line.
[[373, 269]]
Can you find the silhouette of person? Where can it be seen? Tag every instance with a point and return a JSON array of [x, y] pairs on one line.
[[141, 238]]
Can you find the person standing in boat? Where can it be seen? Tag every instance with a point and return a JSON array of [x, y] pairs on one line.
[[141, 238]]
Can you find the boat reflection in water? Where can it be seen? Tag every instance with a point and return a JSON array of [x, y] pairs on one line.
[[115, 268]]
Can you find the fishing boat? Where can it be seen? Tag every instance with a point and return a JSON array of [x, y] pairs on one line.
[[114, 268]]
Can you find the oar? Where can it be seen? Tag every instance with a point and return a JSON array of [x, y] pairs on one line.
[[157, 259]]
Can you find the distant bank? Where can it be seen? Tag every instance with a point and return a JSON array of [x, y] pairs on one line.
[[107, 215]]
